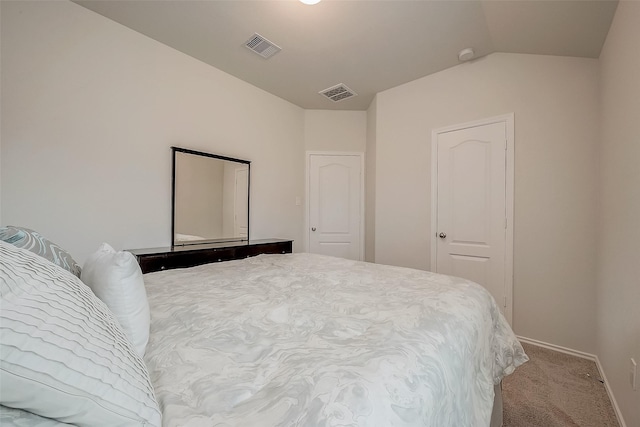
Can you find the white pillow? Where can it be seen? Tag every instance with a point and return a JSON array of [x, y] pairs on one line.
[[116, 278], [62, 353]]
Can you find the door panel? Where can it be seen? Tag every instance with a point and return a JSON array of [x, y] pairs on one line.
[[337, 249], [471, 205], [335, 203], [470, 267], [470, 162], [334, 188]]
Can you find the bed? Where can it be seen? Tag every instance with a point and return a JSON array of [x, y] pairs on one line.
[[309, 340]]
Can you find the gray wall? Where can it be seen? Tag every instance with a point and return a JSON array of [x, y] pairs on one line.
[[555, 103], [90, 110], [618, 261]]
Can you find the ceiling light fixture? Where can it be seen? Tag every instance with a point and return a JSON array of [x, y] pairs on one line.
[[310, 1], [466, 54]]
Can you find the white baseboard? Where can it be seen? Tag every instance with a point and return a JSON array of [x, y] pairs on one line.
[[610, 393], [583, 355], [554, 347]]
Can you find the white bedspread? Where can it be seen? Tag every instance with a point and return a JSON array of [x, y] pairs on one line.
[[307, 340]]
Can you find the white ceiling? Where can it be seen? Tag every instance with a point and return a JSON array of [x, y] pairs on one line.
[[367, 45]]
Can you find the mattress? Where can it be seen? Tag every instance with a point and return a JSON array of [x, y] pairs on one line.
[[309, 340]]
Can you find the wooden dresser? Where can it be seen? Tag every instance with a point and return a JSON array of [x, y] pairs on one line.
[[156, 259]]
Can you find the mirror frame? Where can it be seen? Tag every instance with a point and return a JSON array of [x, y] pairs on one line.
[[174, 151]]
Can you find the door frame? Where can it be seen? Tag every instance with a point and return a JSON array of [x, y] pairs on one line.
[[508, 120], [307, 227]]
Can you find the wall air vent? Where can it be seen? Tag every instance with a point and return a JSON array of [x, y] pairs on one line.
[[338, 92], [262, 46]]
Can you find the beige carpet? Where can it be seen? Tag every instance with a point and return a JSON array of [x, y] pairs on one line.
[[554, 389]]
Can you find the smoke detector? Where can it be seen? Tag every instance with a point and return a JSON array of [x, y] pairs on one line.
[[338, 92], [466, 54], [262, 46]]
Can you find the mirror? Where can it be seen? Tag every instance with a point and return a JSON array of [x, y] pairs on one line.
[[210, 198]]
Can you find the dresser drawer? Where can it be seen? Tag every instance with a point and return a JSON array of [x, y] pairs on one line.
[[149, 263], [269, 248], [158, 259]]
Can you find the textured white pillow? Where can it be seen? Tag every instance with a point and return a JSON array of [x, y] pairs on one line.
[[62, 353], [116, 278]]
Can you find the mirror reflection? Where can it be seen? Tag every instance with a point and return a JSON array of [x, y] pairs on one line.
[[210, 198]]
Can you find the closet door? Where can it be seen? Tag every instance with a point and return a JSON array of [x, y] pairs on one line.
[[471, 199], [335, 205]]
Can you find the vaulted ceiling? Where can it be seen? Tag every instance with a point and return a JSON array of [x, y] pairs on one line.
[[367, 45]]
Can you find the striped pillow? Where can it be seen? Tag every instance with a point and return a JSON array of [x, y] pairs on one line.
[[32, 240], [62, 353]]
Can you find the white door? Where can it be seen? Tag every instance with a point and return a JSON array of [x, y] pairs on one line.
[[471, 207], [335, 205], [241, 198]]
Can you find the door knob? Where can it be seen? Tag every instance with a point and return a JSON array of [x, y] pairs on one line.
[[313, 229], [443, 235]]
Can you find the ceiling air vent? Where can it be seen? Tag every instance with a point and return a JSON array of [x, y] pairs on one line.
[[338, 92], [262, 46]]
